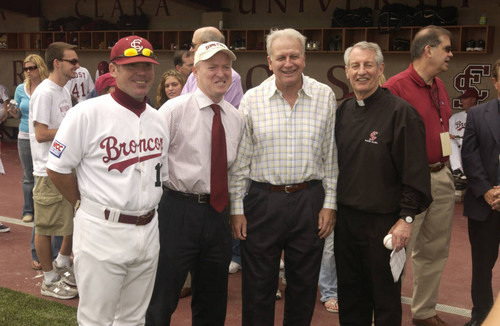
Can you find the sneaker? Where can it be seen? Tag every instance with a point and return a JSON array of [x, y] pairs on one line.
[[27, 218], [278, 295], [4, 228], [479, 45], [66, 273], [234, 267], [282, 264], [470, 45], [58, 289]]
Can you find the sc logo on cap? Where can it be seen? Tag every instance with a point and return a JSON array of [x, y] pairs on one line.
[[136, 44]]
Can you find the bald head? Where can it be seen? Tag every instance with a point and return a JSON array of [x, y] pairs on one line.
[[206, 34]]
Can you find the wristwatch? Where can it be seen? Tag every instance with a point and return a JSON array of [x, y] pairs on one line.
[[408, 219]]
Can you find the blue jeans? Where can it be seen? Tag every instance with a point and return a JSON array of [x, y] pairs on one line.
[[328, 272], [236, 251], [23, 148]]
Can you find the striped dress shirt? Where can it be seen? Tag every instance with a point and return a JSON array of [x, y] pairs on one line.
[[284, 145]]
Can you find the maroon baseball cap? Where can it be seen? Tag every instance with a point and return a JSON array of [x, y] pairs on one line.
[[103, 67], [104, 81], [132, 49], [470, 92]]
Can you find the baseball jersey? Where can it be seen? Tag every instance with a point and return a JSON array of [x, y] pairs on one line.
[[49, 104], [120, 158], [457, 124], [81, 85]]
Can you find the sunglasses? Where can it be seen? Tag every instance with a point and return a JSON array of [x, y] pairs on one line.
[[447, 49], [132, 52], [74, 62], [31, 68]]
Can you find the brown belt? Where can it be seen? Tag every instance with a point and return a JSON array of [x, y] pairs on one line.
[[437, 167], [131, 219], [284, 188]]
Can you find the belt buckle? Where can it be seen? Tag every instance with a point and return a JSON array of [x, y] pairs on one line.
[[138, 218], [202, 199], [288, 189]]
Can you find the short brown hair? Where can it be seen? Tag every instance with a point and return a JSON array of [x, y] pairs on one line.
[[56, 51], [428, 35]]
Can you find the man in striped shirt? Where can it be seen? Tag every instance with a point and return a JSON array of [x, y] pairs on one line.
[[287, 161]]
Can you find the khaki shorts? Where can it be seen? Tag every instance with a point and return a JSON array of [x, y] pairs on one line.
[[53, 213]]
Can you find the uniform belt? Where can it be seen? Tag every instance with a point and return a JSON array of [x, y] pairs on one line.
[[438, 166], [199, 198], [291, 188], [114, 215], [131, 219]]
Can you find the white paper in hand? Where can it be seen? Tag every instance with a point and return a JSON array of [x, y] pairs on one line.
[[397, 262], [2, 170]]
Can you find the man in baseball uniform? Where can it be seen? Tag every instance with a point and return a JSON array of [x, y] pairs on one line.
[[81, 85], [53, 214], [118, 145], [204, 132]]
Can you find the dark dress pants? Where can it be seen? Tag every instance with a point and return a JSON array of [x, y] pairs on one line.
[[366, 287], [484, 237], [278, 221], [193, 237]]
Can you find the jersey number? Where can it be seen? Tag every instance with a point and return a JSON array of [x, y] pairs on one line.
[[75, 92], [158, 180]]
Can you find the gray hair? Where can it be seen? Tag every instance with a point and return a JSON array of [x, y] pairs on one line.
[[379, 57], [287, 32], [428, 35]]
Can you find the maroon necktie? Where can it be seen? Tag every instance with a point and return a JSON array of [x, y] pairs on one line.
[[219, 195]]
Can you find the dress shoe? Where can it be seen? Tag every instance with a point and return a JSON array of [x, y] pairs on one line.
[[432, 321]]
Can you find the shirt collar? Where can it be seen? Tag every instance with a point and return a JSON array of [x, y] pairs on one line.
[[129, 102], [204, 101], [417, 79], [306, 86]]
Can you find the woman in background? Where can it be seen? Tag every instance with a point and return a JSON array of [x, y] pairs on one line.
[[35, 71], [170, 86]]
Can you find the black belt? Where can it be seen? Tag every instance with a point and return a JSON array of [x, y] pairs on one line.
[[291, 188], [199, 198], [131, 219]]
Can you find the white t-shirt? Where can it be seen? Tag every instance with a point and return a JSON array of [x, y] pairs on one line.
[[120, 158], [48, 105], [81, 85]]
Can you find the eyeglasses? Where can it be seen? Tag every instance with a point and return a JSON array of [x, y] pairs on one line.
[[193, 45], [447, 49], [30, 68], [74, 62], [132, 52]]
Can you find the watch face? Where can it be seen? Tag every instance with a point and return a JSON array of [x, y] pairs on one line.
[[409, 219]]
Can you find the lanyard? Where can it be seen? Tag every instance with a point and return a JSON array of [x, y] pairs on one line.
[[436, 104]]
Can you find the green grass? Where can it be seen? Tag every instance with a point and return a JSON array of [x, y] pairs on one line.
[[21, 309]]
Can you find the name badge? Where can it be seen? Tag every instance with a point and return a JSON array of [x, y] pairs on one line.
[[445, 143]]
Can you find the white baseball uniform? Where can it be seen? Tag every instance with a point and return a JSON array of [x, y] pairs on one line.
[[120, 161], [457, 128], [81, 85]]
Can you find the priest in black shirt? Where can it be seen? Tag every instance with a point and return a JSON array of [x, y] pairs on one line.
[[383, 184]]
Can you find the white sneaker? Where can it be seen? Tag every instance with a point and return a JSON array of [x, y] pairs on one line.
[[27, 218], [58, 289], [278, 294], [282, 264], [234, 267]]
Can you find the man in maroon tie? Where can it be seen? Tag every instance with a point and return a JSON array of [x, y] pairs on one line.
[[204, 134]]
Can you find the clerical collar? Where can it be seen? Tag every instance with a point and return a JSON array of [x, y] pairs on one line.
[[361, 102], [129, 102]]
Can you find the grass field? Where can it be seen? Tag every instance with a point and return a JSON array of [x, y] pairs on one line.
[[21, 309]]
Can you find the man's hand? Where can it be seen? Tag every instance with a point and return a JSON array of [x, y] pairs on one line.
[[239, 226], [401, 232], [494, 195], [326, 222]]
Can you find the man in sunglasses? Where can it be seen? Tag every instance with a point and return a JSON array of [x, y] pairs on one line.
[[204, 131], [431, 232], [117, 144], [53, 214]]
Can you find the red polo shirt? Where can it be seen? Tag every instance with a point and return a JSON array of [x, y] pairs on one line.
[[427, 100]]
